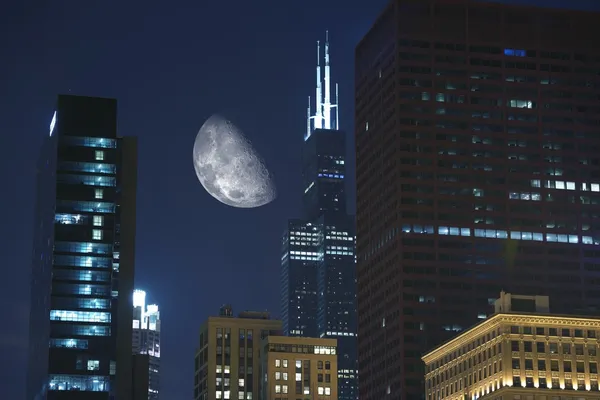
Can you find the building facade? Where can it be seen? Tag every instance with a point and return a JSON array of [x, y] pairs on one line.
[[518, 355], [298, 368], [318, 295], [227, 359], [477, 170], [83, 258], [146, 339]]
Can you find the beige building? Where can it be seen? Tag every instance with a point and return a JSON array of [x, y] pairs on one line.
[[297, 368], [227, 363], [520, 353]]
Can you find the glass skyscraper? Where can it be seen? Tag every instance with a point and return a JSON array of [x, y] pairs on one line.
[[146, 339], [83, 257], [318, 296]]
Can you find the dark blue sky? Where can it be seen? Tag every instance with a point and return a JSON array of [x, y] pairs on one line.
[[170, 65]]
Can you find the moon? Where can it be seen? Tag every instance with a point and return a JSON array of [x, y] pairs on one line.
[[229, 168]]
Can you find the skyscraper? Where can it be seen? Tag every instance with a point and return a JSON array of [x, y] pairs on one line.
[[318, 296], [146, 339], [83, 257], [477, 153]]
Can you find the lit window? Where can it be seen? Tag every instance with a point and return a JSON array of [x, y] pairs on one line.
[[298, 377], [277, 376], [277, 363], [321, 390], [284, 389], [298, 363], [97, 234], [219, 395], [277, 388], [226, 369], [241, 382], [93, 365], [99, 155], [240, 395], [249, 396], [327, 391], [285, 363], [99, 193], [219, 369], [226, 394], [285, 376], [98, 220]]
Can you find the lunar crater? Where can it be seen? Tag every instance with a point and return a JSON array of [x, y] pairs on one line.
[[228, 166]]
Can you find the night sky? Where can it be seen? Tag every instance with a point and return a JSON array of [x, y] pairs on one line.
[[171, 65]]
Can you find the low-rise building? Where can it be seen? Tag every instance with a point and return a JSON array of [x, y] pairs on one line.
[[296, 368], [522, 352]]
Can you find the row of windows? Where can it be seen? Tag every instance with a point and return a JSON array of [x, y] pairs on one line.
[[500, 141], [481, 233], [85, 206], [227, 395], [82, 141], [80, 316], [78, 219], [567, 366], [82, 261], [80, 289], [81, 275], [553, 348], [69, 343], [80, 302], [80, 330], [486, 76], [88, 180], [564, 332], [460, 47], [82, 247], [85, 383], [98, 168], [492, 63]]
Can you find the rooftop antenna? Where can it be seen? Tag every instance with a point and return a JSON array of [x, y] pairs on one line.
[[337, 108], [319, 97], [307, 120], [327, 102]]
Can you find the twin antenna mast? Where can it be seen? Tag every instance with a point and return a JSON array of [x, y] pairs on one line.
[[322, 119]]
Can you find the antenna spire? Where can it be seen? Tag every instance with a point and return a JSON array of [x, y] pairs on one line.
[[322, 116], [327, 100], [319, 96]]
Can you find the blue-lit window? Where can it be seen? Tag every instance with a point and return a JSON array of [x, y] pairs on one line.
[[69, 343], [98, 168], [80, 316], [81, 141], [80, 289], [515, 53], [70, 219], [83, 383], [82, 247], [81, 275], [87, 303], [80, 330], [85, 206], [82, 261], [88, 180]]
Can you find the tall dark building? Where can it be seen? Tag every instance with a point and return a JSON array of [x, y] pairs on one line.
[[318, 296], [478, 152], [83, 257]]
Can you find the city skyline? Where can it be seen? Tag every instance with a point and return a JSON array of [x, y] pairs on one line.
[[165, 90]]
